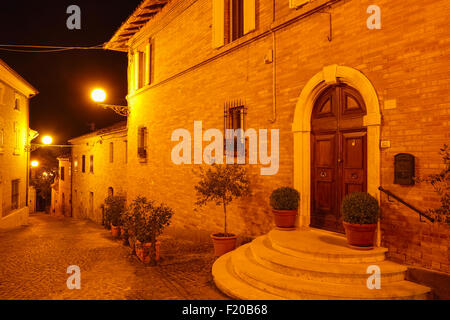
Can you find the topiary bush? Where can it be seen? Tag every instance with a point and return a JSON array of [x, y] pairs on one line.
[[285, 198], [360, 208]]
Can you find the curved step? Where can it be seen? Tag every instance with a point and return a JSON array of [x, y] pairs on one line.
[[289, 287], [321, 245], [228, 282], [323, 271]]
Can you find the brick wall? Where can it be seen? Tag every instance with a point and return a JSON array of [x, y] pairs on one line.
[[406, 61]]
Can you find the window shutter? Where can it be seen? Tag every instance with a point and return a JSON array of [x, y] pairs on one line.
[[136, 70], [218, 23], [148, 63], [249, 16]]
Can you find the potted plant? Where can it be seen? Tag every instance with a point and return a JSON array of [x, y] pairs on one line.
[[114, 207], [360, 212], [150, 220], [222, 184], [284, 202]]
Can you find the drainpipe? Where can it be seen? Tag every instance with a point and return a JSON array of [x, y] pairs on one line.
[[274, 70]]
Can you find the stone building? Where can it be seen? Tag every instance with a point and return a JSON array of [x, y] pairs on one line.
[[61, 197], [99, 167], [15, 93]]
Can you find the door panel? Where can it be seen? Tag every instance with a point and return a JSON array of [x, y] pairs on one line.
[[338, 154]]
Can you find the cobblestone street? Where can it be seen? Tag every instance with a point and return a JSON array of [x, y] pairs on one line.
[[34, 261]]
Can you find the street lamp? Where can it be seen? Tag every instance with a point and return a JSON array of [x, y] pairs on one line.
[[47, 140], [99, 95], [34, 163]]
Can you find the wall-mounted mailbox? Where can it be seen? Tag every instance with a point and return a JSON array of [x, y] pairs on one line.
[[404, 169]]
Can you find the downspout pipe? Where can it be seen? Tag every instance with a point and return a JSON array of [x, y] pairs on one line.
[[274, 70]]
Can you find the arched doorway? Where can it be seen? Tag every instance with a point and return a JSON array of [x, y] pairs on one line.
[[338, 153], [301, 127]]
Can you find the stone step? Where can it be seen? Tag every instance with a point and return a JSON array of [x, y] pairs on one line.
[[319, 245], [323, 271], [230, 284], [290, 287]]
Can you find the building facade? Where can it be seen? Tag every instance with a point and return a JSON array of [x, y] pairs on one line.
[[348, 85], [15, 138], [99, 166]]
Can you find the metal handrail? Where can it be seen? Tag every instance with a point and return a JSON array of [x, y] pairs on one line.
[[390, 194]]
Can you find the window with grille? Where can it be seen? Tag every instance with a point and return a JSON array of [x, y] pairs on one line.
[[142, 142], [15, 194], [234, 123], [62, 174]]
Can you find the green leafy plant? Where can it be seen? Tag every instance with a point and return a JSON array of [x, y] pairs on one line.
[[360, 208], [148, 220], [285, 198], [114, 207], [222, 184], [441, 185]]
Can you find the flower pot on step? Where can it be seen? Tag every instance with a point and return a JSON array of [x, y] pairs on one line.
[[223, 243], [285, 218], [360, 236]]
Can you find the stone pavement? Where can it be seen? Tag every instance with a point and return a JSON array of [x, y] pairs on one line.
[[34, 261]]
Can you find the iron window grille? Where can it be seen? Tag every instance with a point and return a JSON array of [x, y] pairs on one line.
[[234, 118]]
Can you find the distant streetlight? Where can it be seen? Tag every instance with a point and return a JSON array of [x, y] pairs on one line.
[[34, 163], [99, 95], [47, 140]]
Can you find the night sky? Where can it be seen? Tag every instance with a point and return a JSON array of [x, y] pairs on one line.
[[63, 107]]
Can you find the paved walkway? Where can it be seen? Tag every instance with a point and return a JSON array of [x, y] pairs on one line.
[[34, 260]]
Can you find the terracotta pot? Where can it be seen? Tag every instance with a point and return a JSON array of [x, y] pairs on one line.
[[115, 231], [223, 245], [360, 235], [285, 218], [143, 251]]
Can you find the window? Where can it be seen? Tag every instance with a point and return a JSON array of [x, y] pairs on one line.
[[17, 104], [237, 19], [111, 152], [91, 163], [75, 163], [16, 138], [62, 174], [143, 65], [15, 194], [83, 163], [110, 191], [234, 118], [141, 69], [232, 19], [142, 142]]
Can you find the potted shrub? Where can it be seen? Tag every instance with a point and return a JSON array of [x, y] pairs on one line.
[[360, 212], [150, 220], [114, 207], [222, 184], [284, 202]]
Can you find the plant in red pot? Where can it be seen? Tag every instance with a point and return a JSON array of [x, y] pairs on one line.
[[360, 213], [222, 184], [114, 208], [284, 202], [150, 220]]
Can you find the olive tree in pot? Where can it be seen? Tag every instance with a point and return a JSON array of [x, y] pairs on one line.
[[222, 184], [114, 208], [360, 213], [150, 221], [284, 202]]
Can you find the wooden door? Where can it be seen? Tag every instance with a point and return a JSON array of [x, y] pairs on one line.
[[338, 154]]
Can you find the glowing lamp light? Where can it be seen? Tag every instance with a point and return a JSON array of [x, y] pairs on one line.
[[34, 164], [98, 95], [47, 140]]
